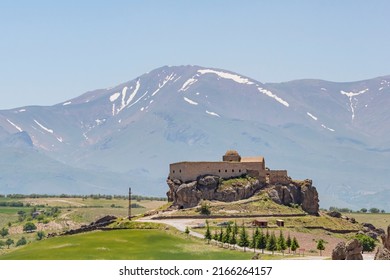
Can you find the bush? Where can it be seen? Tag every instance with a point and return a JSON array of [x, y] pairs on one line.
[[367, 242], [205, 209], [22, 241], [29, 226]]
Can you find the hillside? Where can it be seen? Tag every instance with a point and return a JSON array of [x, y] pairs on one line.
[[108, 139]]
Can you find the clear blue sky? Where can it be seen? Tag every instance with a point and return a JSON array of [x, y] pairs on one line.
[[51, 51]]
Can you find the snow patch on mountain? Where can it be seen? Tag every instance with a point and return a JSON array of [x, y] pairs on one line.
[[188, 83], [190, 101], [14, 125], [135, 102], [274, 96], [99, 122], [213, 114], [114, 96], [166, 80], [43, 127], [328, 128], [312, 116], [123, 104], [132, 95], [67, 103], [351, 95], [225, 75]]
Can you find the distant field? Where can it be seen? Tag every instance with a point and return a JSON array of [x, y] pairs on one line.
[[378, 220], [151, 244]]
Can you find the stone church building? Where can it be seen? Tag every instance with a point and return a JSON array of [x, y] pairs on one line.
[[232, 165]]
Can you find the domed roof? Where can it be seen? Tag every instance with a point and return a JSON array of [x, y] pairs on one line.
[[231, 153]]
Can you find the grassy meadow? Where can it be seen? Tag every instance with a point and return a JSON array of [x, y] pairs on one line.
[[379, 220], [126, 244]]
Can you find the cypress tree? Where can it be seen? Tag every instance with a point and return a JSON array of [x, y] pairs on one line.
[[207, 235], [281, 243], [288, 242], [272, 243], [262, 242], [244, 242]]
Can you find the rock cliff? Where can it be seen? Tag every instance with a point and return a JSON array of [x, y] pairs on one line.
[[301, 193], [186, 195]]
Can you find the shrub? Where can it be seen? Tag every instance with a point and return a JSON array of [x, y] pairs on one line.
[[22, 241]]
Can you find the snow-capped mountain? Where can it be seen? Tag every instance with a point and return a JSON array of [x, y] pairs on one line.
[[106, 140]]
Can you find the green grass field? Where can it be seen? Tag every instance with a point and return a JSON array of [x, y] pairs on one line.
[[379, 220], [128, 244]]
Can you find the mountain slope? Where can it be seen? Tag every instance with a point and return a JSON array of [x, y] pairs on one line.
[[334, 133]]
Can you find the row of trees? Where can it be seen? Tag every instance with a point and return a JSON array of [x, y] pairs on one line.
[[93, 196], [233, 235], [363, 210]]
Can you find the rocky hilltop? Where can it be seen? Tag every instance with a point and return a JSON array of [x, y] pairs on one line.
[[190, 194]]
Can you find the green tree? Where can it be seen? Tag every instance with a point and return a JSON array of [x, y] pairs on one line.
[[29, 226], [294, 244], [205, 209], [22, 241], [255, 238], [320, 246], [2, 243], [368, 243], [215, 236], [187, 231], [262, 242], [272, 243], [207, 234], [374, 210], [233, 240], [235, 228], [40, 235], [243, 242], [4, 232], [288, 242], [281, 243], [226, 236], [364, 210], [9, 242], [220, 236]]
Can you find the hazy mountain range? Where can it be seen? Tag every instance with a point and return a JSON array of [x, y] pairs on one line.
[[109, 139]]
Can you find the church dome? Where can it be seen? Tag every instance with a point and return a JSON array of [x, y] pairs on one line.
[[231, 153]]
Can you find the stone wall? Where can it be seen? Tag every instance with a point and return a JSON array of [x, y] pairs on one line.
[[278, 177], [190, 171]]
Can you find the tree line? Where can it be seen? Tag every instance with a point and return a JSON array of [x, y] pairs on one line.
[[234, 235], [373, 210], [93, 196]]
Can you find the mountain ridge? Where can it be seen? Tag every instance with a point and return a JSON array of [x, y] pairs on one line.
[[194, 113]]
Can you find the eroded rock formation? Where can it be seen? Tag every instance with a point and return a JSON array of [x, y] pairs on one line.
[[383, 253], [185, 195], [352, 250]]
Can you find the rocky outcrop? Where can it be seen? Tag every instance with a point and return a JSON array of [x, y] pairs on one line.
[[382, 254], [297, 192], [98, 224], [339, 252], [386, 239], [352, 250], [186, 195], [334, 214]]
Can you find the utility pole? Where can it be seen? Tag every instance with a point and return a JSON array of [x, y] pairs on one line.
[[129, 213]]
